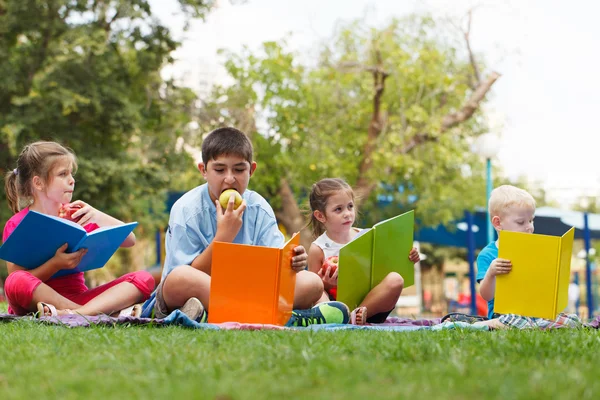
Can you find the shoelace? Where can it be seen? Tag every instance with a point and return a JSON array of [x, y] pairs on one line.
[[305, 321]]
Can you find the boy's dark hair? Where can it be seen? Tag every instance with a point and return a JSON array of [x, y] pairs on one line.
[[36, 159], [226, 141]]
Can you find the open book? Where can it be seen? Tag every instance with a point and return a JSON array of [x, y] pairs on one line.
[[36, 239], [252, 284], [538, 284], [372, 255]]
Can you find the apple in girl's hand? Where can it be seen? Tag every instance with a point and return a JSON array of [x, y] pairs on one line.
[[66, 211], [332, 263], [224, 198]]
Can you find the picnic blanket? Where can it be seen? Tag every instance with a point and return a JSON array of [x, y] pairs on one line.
[[180, 319], [177, 318]]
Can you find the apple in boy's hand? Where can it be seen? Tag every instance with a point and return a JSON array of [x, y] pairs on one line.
[[332, 263], [66, 211], [224, 198]]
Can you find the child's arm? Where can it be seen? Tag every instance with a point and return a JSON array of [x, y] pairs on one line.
[[89, 215], [316, 258], [60, 260], [487, 288], [229, 224]]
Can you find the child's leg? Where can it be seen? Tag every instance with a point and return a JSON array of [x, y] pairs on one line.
[[382, 299], [180, 285], [309, 290], [24, 291], [129, 289], [492, 324]]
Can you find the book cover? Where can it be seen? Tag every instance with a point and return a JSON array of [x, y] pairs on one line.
[[252, 284], [36, 239], [538, 283], [370, 257]]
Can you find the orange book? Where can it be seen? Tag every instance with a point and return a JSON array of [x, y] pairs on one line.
[[252, 284]]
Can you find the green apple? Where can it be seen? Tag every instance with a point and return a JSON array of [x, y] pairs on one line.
[[224, 198]]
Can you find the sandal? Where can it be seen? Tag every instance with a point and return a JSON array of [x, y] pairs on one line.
[[41, 306], [134, 311], [359, 311]]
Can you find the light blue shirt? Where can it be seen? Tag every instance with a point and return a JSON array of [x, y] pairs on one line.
[[484, 260], [193, 225]]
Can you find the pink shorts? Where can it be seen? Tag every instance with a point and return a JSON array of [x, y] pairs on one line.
[[20, 285]]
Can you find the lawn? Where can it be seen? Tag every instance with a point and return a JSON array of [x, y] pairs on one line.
[[38, 361]]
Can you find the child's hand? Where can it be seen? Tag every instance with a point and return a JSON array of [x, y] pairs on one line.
[[68, 260], [85, 214], [500, 266], [414, 255], [329, 275], [299, 260], [229, 221]]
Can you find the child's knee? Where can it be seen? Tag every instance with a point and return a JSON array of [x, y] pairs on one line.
[[394, 282], [19, 287], [184, 282], [146, 282], [143, 281], [310, 284], [180, 275]]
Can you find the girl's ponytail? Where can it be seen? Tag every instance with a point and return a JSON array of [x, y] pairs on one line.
[[12, 190]]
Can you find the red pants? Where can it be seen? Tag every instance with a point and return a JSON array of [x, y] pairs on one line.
[[19, 287]]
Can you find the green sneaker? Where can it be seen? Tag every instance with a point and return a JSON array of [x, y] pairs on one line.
[[331, 312], [194, 309]]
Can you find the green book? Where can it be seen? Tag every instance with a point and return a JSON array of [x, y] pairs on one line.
[[373, 254]]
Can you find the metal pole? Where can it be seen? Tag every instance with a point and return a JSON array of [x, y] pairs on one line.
[[588, 266], [158, 247], [471, 257], [490, 227]]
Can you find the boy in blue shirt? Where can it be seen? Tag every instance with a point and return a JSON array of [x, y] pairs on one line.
[[197, 219], [511, 209]]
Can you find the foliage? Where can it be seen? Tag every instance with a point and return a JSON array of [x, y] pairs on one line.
[[310, 121], [86, 74]]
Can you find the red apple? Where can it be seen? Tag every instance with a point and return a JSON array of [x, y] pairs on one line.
[[66, 211], [332, 263]]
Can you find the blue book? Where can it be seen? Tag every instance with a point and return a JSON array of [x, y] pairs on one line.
[[36, 239]]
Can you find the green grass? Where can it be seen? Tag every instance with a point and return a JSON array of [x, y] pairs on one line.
[[38, 361]]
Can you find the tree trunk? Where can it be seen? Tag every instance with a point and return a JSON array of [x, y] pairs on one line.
[[291, 217], [363, 186]]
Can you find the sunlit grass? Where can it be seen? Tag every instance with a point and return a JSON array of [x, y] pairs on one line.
[[39, 361]]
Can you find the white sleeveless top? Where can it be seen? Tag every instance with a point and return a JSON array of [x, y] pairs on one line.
[[329, 247]]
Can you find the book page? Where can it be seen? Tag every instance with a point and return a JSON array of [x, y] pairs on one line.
[[101, 244], [36, 239], [286, 284], [392, 243], [530, 288], [564, 274], [354, 276]]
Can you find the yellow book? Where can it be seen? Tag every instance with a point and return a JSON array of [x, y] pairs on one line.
[[538, 284]]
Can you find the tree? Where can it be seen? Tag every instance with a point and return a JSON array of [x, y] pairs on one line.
[[86, 73], [392, 110]]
